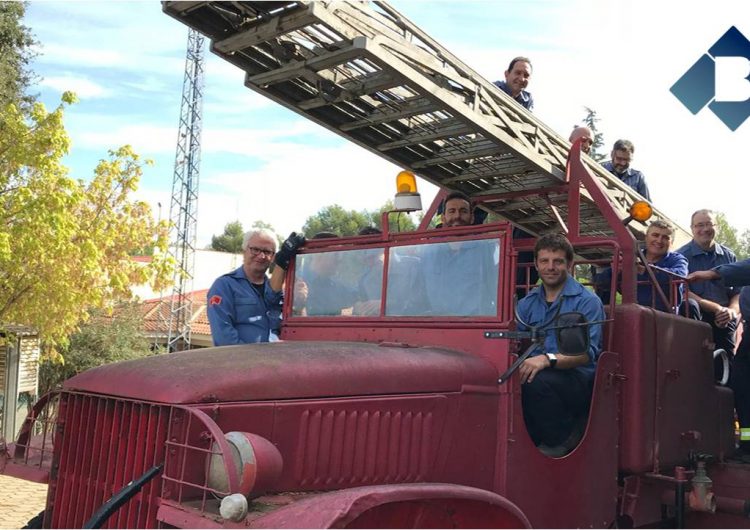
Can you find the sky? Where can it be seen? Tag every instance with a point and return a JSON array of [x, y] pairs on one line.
[[260, 161]]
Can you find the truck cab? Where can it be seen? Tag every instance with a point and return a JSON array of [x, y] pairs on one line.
[[381, 406]]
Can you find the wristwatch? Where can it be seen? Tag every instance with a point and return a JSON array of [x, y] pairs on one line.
[[552, 359]]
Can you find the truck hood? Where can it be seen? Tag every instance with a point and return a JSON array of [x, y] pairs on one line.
[[286, 370]]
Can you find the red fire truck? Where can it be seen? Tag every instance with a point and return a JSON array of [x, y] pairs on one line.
[[397, 417]]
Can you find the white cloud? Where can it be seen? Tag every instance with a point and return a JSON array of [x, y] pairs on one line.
[[288, 189], [84, 88]]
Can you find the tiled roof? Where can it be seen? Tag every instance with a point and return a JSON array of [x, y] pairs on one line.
[[157, 312]]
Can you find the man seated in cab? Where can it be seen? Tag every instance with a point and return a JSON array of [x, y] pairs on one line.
[[319, 289], [656, 251], [556, 389], [460, 276]]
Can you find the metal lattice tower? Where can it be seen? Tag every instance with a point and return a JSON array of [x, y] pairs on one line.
[[183, 208]]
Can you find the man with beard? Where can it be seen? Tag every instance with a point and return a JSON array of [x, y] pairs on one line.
[[556, 389], [619, 166], [517, 78], [460, 276]]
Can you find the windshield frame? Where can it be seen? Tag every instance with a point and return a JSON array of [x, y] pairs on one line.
[[386, 242]]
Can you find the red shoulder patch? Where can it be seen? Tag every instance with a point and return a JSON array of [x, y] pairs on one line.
[[215, 300]]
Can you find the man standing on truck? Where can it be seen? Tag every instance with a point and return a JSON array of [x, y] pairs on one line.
[[517, 78], [556, 389], [737, 274], [588, 138], [619, 166], [719, 303], [244, 306]]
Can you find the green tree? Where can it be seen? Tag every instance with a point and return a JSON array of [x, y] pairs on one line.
[[397, 222], [65, 244], [16, 42], [262, 225], [727, 235], [230, 240], [336, 219], [343, 222], [743, 251], [590, 121], [105, 338]]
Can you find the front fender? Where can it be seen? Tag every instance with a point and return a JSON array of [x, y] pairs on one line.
[[422, 505]]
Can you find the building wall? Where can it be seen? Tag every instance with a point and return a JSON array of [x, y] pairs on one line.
[[209, 265], [28, 378]]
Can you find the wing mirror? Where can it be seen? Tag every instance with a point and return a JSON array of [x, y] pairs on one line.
[[572, 333]]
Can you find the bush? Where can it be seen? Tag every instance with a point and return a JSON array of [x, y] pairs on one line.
[[103, 339]]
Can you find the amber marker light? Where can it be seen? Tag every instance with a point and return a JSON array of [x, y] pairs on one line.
[[406, 182], [641, 211], [407, 197]]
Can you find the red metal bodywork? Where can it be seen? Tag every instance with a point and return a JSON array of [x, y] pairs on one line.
[[397, 421]]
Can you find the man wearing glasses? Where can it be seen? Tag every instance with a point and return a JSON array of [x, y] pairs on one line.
[[719, 303], [244, 306]]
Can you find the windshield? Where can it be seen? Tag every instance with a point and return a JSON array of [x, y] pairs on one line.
[[437, 279]]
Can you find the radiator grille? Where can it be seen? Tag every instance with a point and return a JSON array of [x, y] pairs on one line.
[[102, 444]]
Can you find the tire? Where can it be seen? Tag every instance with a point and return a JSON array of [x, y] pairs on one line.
[[36, 522]]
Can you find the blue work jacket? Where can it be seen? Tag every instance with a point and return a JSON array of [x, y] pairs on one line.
[[524, 98], [735, 274], [702, 260], [574, 297], [645, 292], [631, 177], [738, 274], [238, 314]]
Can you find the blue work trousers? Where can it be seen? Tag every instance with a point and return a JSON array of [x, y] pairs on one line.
[[553, 403]]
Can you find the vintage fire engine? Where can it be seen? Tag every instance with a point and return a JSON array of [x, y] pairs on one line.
[[395, 417]]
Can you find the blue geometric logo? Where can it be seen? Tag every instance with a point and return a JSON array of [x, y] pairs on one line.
[[700, 84]]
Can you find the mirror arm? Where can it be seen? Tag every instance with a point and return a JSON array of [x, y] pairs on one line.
[[513, 367]]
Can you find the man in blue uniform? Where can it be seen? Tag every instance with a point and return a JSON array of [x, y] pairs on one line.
[[244, 306], [737, 274], [619, 166], [656, 251], [719, 303], [517, 78], [455, 270], [556, 389]]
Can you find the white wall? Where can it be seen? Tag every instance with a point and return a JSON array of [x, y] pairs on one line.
[[209, 264]]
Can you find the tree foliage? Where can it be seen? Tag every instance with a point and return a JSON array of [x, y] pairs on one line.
[[103, 339], [16, 42], [343, 222], [727, 235], [230, 240], [590, 121], [65, 244]]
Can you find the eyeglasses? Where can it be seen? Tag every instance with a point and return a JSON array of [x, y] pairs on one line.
[[701, 226], [266, 253]]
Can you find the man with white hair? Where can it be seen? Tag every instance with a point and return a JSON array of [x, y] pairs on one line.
[[244, 306]]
